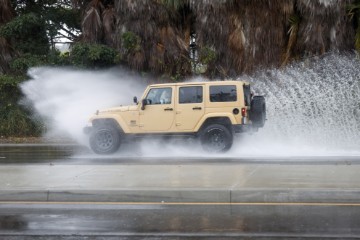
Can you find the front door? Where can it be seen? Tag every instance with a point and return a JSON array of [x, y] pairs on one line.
[[159, 112]]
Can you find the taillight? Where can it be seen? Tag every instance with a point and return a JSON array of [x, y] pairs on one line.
[[243, 112]]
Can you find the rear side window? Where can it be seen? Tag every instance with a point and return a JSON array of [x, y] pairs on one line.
[[225, 93], [190, 94]]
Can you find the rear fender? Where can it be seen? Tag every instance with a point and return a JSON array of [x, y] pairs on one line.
[[227, 117]]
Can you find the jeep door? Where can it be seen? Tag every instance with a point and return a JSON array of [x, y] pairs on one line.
[[158, 114], [189, 107]]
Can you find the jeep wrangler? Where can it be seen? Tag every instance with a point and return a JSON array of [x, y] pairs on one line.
[[209, 111]]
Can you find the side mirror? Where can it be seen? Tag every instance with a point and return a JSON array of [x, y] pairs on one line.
[[135, 100], [144, 103]]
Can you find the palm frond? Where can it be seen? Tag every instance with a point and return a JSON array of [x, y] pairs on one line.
[[92, 23], [161, 46], [244, 33], [353, 9], [7, 53], [294, 21], [357, 40], [6, 11], [325, 26], [175, 4], [109, 24]]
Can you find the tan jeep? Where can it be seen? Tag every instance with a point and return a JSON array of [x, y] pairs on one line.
[[209, 111]]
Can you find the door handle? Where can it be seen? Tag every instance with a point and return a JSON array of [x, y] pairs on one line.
[[168, 109], [196, 108]]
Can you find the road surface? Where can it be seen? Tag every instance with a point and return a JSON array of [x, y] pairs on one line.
[[61, 193]]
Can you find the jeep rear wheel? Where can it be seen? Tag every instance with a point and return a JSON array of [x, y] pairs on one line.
[[216, 138], [105, 139]]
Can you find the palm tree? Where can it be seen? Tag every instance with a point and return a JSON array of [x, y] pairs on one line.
[[92, 25], [98, 21], [244, 34], [157, 44], [232, 36], [324, 26], [6, 51]]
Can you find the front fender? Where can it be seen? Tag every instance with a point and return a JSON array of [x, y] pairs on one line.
[[114, 117]]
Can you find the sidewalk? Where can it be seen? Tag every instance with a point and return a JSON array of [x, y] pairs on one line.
[[215, 183]]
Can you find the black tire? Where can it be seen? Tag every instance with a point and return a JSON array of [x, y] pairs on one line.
[[105, 139], [216, 138], [258, 111]]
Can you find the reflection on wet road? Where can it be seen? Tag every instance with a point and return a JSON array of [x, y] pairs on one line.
[[73, 154], [167, 221]]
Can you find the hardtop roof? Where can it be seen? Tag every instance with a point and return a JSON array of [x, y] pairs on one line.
[[200, 83]]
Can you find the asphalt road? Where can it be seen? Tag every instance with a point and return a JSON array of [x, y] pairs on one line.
[[305, 218], [187, 221]]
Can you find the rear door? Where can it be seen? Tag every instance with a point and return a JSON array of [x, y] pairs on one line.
[[189, 106]]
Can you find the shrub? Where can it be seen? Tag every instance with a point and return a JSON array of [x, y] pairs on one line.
[[92, 55]]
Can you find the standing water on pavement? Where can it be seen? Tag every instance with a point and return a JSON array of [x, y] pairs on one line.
[[313, 106]]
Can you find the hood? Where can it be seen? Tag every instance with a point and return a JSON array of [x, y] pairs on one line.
[[118, 109]]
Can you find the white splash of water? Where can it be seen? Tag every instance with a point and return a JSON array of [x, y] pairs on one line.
[[313, 107], [66, 98]]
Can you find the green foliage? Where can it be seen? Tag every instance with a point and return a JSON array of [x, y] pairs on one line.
[[14, 119], [60, 15], [20, 26], [28, 32], [92, 55], [15, 122], [24, 62], [36, 26], [57, 58], [55, 16], [10, 92], [7, 80], [207, 55], [131, 41]]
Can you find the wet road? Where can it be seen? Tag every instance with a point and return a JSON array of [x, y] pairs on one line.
[[76, 155], [166, 221], [131, 220]]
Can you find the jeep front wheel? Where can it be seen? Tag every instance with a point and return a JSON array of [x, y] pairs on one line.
[[216, 138], [105, 139]]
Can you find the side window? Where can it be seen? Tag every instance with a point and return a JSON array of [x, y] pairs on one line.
[[191, 94], [223, 93], [159, 96]]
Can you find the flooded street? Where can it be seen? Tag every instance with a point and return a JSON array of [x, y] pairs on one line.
[[65, 192]]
